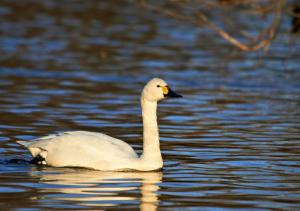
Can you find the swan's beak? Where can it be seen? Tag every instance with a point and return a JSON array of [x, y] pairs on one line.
[[170, 93]]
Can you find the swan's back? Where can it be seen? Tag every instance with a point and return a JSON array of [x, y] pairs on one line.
[[82, 149]]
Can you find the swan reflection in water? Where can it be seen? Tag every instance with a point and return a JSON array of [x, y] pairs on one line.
[[96, 188]]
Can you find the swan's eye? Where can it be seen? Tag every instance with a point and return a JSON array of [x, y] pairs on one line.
[[157, 86]]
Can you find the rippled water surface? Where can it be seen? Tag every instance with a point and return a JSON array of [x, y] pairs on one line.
[[231, 142]]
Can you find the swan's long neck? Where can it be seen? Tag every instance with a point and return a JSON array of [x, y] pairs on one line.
[[151, 148]]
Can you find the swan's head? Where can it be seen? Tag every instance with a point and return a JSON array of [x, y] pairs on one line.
[[157, 89]]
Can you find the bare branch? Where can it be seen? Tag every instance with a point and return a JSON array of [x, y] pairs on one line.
[[262, 40]]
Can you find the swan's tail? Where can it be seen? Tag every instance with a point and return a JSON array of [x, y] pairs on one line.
[[24, 143], [39, 154]]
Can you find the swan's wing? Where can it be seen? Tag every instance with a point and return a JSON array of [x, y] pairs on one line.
[[121, 145], [75, 144]]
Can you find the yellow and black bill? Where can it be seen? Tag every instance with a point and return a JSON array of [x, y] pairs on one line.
[[170, 93]]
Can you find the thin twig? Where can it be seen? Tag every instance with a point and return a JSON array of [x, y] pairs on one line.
[[262, 40]]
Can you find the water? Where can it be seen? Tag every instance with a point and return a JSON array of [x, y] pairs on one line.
[[232, 142]]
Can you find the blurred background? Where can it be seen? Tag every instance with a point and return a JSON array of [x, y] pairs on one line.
[[231, 142]]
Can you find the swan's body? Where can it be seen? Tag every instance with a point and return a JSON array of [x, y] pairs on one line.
[[82, 149], [102, 152]]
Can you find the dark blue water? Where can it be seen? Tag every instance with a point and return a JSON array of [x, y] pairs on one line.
[[231, 142]]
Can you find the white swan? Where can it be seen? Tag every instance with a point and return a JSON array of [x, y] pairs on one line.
[[101, 152]]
